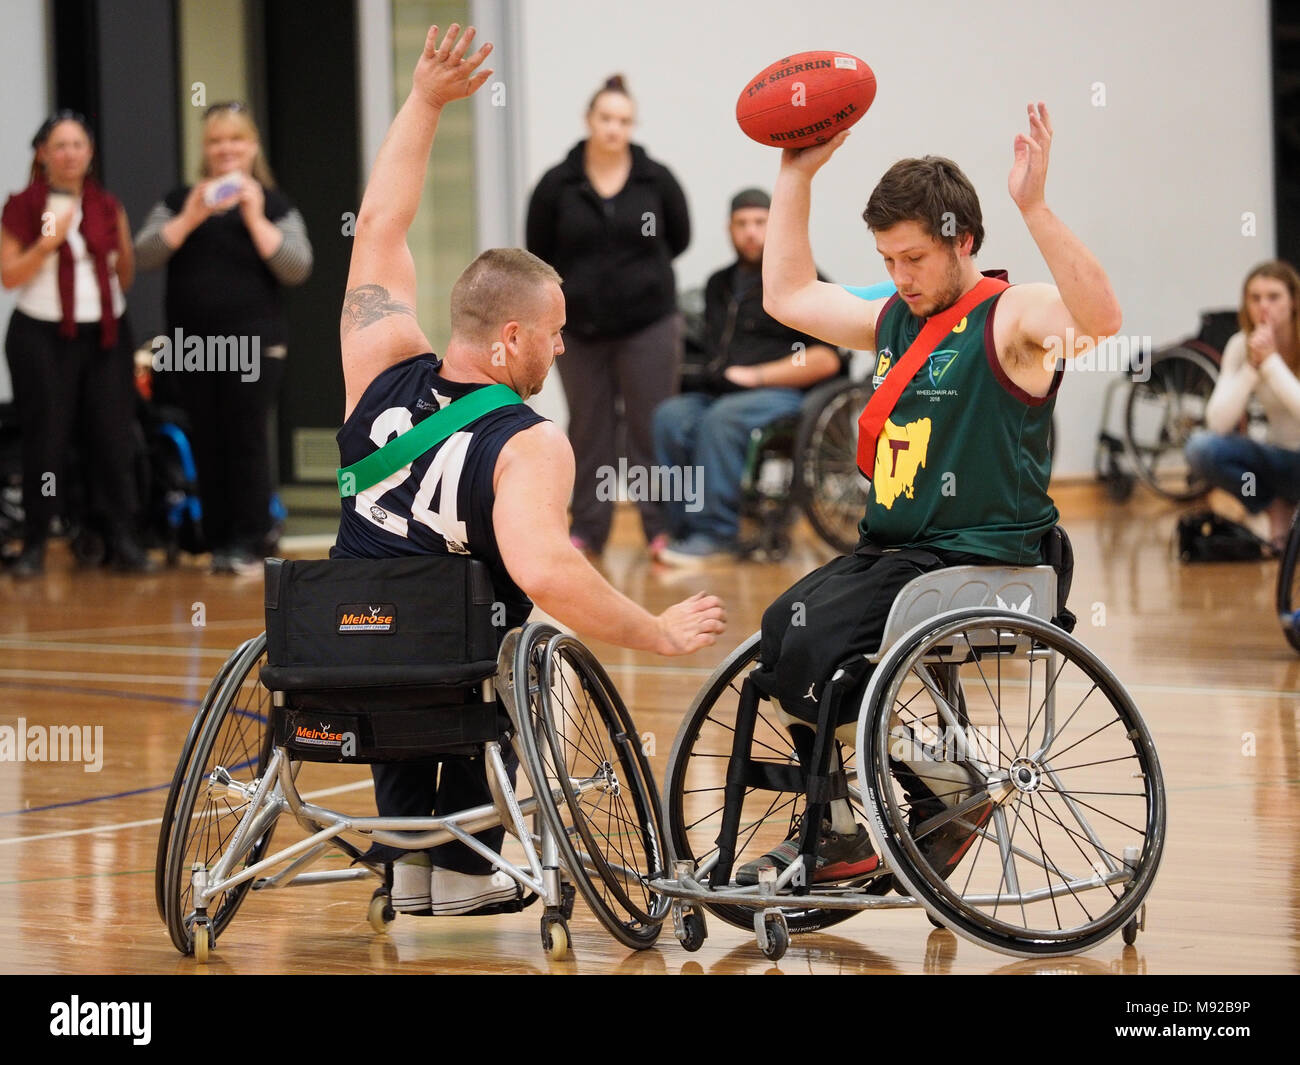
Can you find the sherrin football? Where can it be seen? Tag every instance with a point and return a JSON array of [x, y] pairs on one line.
[[805, 99]]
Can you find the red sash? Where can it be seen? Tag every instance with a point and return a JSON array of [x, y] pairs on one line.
[[872, 420]]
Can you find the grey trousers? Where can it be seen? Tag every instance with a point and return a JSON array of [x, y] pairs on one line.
[[643, 369]]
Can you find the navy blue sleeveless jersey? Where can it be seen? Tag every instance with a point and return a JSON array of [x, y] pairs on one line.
[[442, 503]]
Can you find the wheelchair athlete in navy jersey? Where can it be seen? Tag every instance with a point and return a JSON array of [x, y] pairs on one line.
[[497, 490]]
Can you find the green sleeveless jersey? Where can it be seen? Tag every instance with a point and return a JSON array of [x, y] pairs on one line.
[[962, 462]]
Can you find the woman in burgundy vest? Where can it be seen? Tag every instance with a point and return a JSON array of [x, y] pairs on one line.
[[66, 247]]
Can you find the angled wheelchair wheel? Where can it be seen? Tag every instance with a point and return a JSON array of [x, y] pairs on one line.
[[1161, 414], [173, 792], [1288, 587], [1014, 788], [829, 488], [234, 739], [579, 743], [696, 782]]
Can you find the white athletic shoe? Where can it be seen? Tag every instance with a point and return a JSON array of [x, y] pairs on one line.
[[411, 884], [456, 893]]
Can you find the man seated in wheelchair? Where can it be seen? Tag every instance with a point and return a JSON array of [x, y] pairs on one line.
[[959, 464], [758, 372], [497, 489]]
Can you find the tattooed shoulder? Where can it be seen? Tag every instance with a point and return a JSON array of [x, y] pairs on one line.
[[367, 304]]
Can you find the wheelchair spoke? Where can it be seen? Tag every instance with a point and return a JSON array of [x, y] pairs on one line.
[[1097, 731], [1076, 836]]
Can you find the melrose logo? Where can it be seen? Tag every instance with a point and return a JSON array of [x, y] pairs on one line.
[[196, 354], [53, 743]]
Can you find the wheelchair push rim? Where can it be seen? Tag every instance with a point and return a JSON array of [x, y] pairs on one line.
[[1053, 805], [235, 737], [577, 739]]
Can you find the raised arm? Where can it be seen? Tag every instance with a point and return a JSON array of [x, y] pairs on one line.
[[533, 481], [378, 326], [792, 294], [1081, 309]]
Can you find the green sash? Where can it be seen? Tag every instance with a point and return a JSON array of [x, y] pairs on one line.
[[413, 443]]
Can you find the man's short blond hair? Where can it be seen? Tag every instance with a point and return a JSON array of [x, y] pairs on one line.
[[501, 285]]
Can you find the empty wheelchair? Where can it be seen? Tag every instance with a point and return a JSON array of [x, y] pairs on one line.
[[337, 678], [984, 723]]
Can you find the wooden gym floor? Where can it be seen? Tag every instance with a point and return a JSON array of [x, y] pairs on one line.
[[1198, 647]]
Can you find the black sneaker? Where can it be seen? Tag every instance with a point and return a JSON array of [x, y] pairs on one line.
[[839, 857]]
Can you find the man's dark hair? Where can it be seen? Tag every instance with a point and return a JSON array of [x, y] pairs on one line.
[[924, 191]]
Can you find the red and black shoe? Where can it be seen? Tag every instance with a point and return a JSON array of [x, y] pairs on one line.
[[945, 846], [839, 857]]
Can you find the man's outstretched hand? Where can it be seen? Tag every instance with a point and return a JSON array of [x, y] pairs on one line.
[[443, 72], [693, 623], [808, 161]]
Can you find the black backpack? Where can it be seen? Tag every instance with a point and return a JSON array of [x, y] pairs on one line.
[[1205, 536]]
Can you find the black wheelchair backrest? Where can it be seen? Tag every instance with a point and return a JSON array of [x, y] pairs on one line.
[[377, 622]]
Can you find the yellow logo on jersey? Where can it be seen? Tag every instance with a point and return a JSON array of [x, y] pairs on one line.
[[882, 364], [960, 327], [900, 454]]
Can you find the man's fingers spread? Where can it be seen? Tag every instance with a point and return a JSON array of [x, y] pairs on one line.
[[448, 40], [479, 56], [463, 43]]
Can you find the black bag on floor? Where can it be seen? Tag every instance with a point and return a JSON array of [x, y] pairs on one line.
[[1205, 536]]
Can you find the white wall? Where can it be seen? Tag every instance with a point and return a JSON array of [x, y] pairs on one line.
[[24, 90], [1155, 181]]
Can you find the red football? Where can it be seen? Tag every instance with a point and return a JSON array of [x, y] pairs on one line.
[[805, 99]]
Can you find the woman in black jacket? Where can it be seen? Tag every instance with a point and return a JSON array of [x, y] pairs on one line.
[[611, 220]]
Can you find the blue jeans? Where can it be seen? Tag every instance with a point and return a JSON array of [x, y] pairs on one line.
[[1255, 473], [712, 433]]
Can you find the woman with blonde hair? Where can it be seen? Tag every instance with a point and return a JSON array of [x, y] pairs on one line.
[[1262, 360], [231, 243]]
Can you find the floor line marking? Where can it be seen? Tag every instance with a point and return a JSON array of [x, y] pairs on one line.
[[123, 825]]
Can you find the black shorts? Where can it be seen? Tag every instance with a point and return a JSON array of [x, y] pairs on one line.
[[832, 618]]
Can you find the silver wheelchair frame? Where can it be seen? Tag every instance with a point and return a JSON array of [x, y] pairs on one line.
[[1013, 606], [558, 849]]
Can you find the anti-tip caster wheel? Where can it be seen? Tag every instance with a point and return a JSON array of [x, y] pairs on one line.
[[555, 938], [202, 941], [931, 918], [693, 931], [380, 913], [1136, 924], [773, 934]]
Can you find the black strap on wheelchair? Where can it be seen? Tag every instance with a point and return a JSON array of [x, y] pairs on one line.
[[1058, 554], [811, 777], [823, 786], [742, 740]]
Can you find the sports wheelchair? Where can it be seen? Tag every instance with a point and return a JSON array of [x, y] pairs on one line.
[[419, 675], [983, 717]]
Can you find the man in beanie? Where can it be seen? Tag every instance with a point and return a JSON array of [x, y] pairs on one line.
[[759, 371]]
